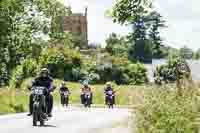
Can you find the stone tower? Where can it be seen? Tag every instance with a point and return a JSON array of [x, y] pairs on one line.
[[76, 23]]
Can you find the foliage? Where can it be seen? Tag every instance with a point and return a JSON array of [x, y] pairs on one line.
[[117, 45], [31, 38], [60, 60], [4, 76], [163, 110], [157, 23], [186, 52], [61, 39], [197, 54], [146, 24], [28, 68], [167, 72], [119, 70], [128, 10], [15, 104], [80, 41], [53, 9], [25, 26]]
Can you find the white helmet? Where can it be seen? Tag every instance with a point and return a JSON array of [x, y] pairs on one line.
[[63, 83], [108, 84], [85, 83]]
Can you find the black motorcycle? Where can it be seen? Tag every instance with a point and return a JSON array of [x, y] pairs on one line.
[[110, 95], [65, 98], [39, 105], [87, 99]]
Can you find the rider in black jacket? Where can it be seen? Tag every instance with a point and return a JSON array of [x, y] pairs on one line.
[[64, 89], [44, 80], [106, 90]]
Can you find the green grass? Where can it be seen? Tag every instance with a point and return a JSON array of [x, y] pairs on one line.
[[12, 102]]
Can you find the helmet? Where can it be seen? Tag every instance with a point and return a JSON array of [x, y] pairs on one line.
[[108, 84], [63, 83], [44, 71], [85, 83]]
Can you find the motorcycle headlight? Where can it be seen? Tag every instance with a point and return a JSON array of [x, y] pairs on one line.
[[110, 92]]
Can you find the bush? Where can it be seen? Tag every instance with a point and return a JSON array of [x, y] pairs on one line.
[[167, 72], [164, 111], [28, 68], [60, 61], [93, 78], [4, 74], [136, 73], [121, 72]]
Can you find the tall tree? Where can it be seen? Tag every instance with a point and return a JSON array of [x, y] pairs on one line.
[[156, 22], [23, 26], [134, 12]]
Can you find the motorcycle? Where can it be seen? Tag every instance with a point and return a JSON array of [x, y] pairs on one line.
[[110, 99], [39, 105], [65, 98], [87, 99]]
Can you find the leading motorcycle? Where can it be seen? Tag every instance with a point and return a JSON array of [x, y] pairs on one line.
[[39, 105]]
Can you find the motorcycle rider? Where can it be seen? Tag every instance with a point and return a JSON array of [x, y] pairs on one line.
[[43, 80], [85, 89], [64, 89], [106, 90]]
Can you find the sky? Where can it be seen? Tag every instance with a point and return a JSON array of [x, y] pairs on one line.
[[182, 20]]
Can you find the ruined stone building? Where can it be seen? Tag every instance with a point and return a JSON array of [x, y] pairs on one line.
[[76, 23]]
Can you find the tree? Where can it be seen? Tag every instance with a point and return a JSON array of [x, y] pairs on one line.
[[111, 41], [134, 12], [126, 11], [23, 25], [197, 54], [156, 22], [186, 52], [8, 9], [117, 45], [80, 41]]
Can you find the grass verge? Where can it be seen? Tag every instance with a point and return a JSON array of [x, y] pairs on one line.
[[12, 101]]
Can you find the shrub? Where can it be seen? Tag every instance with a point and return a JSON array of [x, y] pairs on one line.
[[93, 78], [60, 61], [4, 74], [167, 72], [164, 111], [121, 72], [136, 73], [28, 68]]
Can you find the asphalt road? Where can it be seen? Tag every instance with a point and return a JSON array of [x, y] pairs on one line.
[[72, 120]]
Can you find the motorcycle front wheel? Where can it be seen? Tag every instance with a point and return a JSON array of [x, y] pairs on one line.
[[35, 119]]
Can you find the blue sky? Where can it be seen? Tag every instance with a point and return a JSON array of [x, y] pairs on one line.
[[182, 16]]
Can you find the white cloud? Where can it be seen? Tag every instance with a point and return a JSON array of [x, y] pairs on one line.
[[183, 21]]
